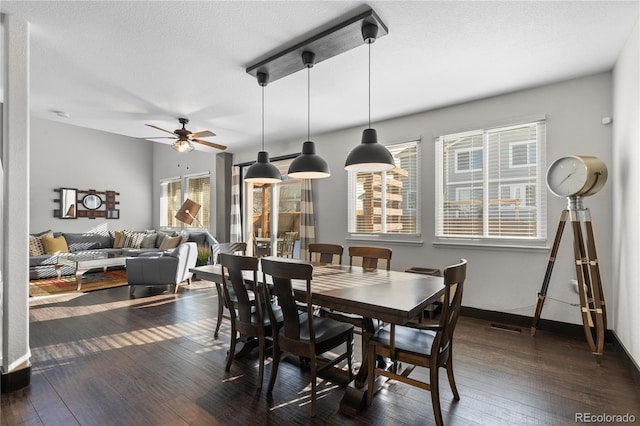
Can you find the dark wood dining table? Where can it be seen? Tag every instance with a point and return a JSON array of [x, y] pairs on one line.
[[389, 296]]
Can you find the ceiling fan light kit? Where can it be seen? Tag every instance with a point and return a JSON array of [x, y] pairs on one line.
[[344, 36], [262, 171]]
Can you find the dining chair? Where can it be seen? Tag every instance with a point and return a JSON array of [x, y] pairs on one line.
[[370, 256], [287, 244], [422, 345], [249, 318], [325, 253], [303, 334], [219, 249]]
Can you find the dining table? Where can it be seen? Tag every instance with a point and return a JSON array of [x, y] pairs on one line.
[[389, 296]]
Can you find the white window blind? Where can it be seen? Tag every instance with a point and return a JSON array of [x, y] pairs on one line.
[[199, 190], [490, 184], [170, 202], [387, 202]]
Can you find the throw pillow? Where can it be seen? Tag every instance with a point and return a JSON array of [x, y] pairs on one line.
[[55, 245], [184, 237], [161, 236], [133, 239], [149, 240], [169, 243], [35, 243], [118, 239]]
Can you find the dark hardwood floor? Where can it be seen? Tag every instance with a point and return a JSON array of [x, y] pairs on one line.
[[102, 358]]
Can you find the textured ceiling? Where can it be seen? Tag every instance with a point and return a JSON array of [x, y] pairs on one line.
[[115, 66]]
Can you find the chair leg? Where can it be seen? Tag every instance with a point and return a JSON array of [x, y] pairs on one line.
[[350, 355], [261, 344], [452, 381], [220, 310], [313, 386], [274, 366], [132, 289], [232, 347], [435, 394], [175, 290]]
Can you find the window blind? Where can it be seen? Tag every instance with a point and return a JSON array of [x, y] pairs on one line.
[[199, 190], [490, 183], [387, 202]]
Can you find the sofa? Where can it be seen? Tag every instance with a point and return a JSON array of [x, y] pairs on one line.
[[45, 247], [172, 268]]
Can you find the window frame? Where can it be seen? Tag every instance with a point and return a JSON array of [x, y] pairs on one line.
[[414, 203], [164, 207], [536, 179]]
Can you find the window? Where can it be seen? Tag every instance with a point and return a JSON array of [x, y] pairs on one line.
[[198, 189], [490, 184], [272, 210], [387, 202]]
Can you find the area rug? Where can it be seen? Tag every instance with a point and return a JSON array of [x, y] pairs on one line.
[[90, 281]]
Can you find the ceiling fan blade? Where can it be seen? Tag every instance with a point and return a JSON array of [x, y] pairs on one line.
[[159, 137], [160, 128], [202, 134], [211, 144]]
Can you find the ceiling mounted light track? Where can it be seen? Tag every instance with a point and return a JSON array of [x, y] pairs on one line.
[[325, 44], [262, 171], [308, 165]]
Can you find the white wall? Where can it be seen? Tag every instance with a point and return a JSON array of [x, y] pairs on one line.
[[626, 195], [498, 280], [168, 163], [75, 157]]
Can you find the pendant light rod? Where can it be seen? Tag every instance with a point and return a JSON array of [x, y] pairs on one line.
[[308, 60], [263, 79]]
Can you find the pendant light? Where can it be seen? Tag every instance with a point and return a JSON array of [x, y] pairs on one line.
[[262, 171], [308, 165], [369, 156]]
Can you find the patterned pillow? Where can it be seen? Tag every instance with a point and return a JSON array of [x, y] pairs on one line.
[[35, 243], [118, 239], [133, 239], [184, 237]]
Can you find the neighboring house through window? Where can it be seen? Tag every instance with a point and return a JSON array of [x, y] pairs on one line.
[[387, 202], [490, 184]]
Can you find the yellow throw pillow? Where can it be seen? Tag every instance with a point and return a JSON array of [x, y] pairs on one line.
[[118, 240], [170, 242], [55, 245]]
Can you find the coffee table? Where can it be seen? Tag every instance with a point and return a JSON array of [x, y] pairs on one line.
[[85, 261]]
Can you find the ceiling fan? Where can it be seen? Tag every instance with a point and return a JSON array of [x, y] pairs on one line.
[[184, 137]]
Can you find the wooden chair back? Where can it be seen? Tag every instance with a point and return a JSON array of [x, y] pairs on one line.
[[235, 266], [370, 256], [281, 274], [288, 242], [325, 253], [230, 248], [454, 277]]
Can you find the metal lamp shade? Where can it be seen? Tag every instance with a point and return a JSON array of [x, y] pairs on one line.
[[262, 171], [369, 156], [309, 165]]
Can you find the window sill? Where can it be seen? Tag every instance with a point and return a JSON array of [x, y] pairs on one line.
[[404, 240], [490, 245]]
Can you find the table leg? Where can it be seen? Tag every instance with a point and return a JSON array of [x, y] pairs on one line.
[[79, 274], [355, 397]]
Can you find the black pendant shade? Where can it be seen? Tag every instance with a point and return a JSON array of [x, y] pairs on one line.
[[309, 165], [369, 156], [262, 171]]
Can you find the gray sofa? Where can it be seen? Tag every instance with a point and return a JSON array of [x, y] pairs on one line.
[[162, 268], [44, 266]]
